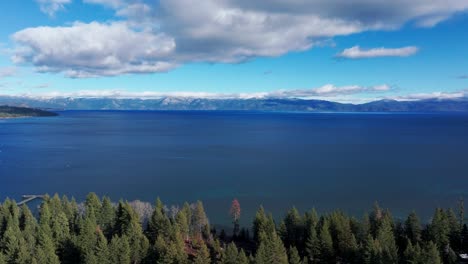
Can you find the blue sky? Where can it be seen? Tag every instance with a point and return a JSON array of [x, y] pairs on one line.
[[308, 49]]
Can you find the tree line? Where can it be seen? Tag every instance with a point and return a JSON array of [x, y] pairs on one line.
[[102, 232]]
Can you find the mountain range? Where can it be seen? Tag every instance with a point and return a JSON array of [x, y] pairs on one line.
[[253, 104]]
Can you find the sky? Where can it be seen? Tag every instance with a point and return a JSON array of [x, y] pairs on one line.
[[339, 50]]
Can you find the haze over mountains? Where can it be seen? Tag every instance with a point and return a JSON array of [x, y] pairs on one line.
[[252, 104]]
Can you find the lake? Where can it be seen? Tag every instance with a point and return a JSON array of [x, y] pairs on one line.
[[321, 160]]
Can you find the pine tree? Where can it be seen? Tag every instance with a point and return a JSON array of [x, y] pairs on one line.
[[439, 229], [412, 254], [159, 223], [15, 246], [128, 224], [2, 259], [231, 254], [168, 252], [454, 229], [101, 250], [46, 249], [413, 228], [203, 255], [60, 229], [294, 257], [93, 204], [106, 221], [386, 240], [259, 224], [183, 223], [430, 254], [200, 221], [343, 237], [242, 258], [294, 228], [28, 226], [119, 250], [312, 245], [271, 250], [326, 242]]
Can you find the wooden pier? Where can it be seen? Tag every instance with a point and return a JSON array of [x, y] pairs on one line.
[[28, 198]]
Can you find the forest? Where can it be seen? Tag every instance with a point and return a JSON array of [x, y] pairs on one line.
[[103, 232]]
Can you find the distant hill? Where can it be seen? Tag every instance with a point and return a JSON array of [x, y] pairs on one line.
[[11, 111], [181, 103]]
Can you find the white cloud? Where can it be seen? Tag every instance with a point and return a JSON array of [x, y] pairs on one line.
[[433, 95], [326, 91], [224, 31], [357, 53], [94, 49], [7, 72], [110, 3], [50, 7], [329, 90]]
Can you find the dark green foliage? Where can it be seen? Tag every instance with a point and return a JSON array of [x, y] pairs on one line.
[[413, 228], [119, 250], [203, 255], [103, 234], [294, 257], [231, 254]]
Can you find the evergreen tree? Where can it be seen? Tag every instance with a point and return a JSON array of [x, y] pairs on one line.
[[203, 255], [60, 229], [159, 223], [242, 258], [430, 254], [312, 245], [107, 215], [439, 229], [28, 226], [119, 250], [259, 224], [182, 223], [93, 205], [343, 237], [413, 228], [387, 242], [200, 222], [101, 250], [15, 246], [294, 257], [46, 249], [168, 252], [294, 229], [2, 259], [231, 255], [412, 254], [454, 229], [271, 250], [326, 242]]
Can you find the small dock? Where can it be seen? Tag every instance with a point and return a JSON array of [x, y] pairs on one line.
[[29, 197]]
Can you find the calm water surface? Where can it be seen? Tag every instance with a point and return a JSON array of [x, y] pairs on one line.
[[326, 161]]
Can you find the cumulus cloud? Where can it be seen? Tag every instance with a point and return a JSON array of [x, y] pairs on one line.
[[357, 53], [94, 49], [7, 72], [50, 7], [222, 31]]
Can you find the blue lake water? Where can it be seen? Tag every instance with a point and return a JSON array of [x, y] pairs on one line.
[[326, 161]]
